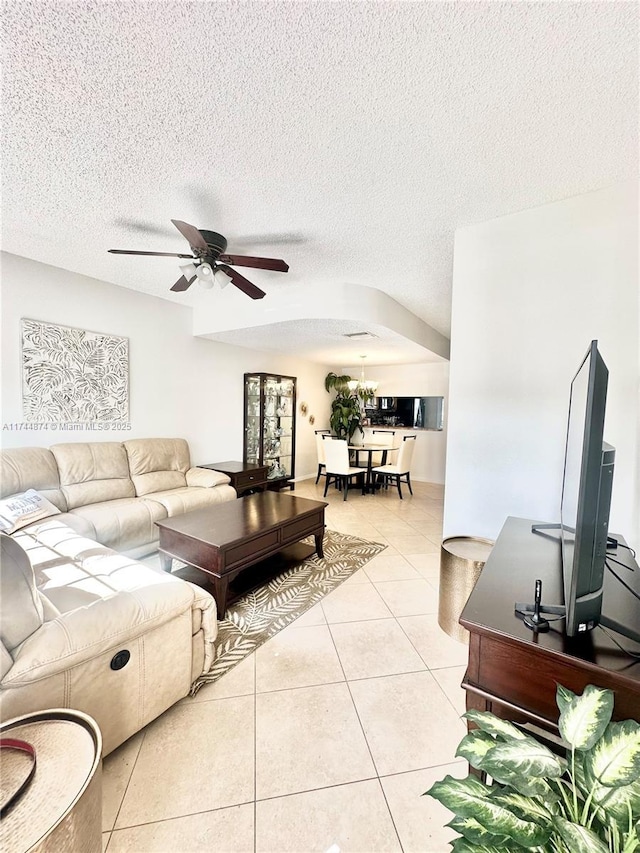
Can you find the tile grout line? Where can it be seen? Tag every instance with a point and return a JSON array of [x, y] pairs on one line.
[[255, 751], [366, 740], [180, 817], [115, 820]]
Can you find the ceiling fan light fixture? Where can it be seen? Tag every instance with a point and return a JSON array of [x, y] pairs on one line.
[[222, 278], [204, 274], [188, 270]]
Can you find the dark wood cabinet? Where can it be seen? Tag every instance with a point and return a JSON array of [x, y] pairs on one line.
[[270, 426], [513, 671], [245, 476]]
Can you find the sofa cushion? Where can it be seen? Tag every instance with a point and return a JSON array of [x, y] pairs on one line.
[[73, 570], [93, 472], [41, 554], [178, 501], [23, 468], [21, 611], [20, 510], [122, 524], [157, 464]]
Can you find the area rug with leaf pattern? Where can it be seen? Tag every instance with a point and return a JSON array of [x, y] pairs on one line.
[[263, 611]]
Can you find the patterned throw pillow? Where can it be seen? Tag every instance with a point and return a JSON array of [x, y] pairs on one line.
[[19, 510]]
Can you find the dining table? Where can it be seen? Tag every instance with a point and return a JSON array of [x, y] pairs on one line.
[[370, 449]]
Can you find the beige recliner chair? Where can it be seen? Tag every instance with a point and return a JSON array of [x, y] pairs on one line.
[[87, 628]]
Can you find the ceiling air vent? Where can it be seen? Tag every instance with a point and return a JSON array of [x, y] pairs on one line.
[[361, 336]]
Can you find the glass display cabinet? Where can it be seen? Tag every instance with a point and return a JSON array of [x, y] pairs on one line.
[[269, 425]]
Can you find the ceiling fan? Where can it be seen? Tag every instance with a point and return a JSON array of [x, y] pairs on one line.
[[209, 260]]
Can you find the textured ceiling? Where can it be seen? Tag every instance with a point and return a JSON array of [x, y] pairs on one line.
[[350, 139]]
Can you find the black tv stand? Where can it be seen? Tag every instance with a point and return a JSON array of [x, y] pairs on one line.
[[619, 628], [534, 613], [536, 528], [612, 542]]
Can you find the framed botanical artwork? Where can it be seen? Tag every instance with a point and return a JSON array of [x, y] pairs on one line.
[[72, 375]]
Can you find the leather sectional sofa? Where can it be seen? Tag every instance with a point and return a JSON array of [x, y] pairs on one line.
[[82, 625], [114, 492]]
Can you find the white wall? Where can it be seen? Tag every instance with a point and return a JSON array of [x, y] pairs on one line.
[[530, 291], [416, 380], [179, 385]]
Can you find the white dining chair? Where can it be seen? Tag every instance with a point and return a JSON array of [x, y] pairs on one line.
[[320, 433], [401, 469], [386, 437], [337, 467]]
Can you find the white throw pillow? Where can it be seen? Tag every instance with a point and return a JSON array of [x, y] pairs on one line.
[[19, 510]]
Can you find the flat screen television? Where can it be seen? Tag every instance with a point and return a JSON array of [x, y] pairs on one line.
[[586, 495], [584, 516]]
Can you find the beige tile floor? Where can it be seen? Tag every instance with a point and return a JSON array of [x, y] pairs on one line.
[[326, 737]]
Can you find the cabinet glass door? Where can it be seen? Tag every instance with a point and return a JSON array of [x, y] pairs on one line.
[[270, 424], [252, 420]]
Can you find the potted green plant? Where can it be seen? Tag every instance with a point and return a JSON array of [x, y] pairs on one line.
[[346, 412], [588, 802]]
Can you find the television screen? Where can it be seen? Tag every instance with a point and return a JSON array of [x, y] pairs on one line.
[[586, 495]]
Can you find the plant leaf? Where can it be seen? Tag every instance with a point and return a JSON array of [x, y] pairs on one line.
[[528, 808], [528, 786], [488, 722], [617, 802], [470, 784], [329, 381], [463, 845], [474, 747], [475, 832], [633, 836], [584, 719], [564, 697], [578, 838], [524, 758], [469, 798], [615, 759]]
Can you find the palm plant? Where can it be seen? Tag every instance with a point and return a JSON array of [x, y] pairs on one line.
[[588, 802]]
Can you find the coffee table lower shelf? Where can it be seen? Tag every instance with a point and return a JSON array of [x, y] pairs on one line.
[[222, 586], [252, 577]]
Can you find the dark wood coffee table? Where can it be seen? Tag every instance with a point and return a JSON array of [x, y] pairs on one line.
[[225, 539]]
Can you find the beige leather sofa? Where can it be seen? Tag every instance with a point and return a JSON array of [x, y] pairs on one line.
[[85, 627], [73, 609], [114, 492]]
